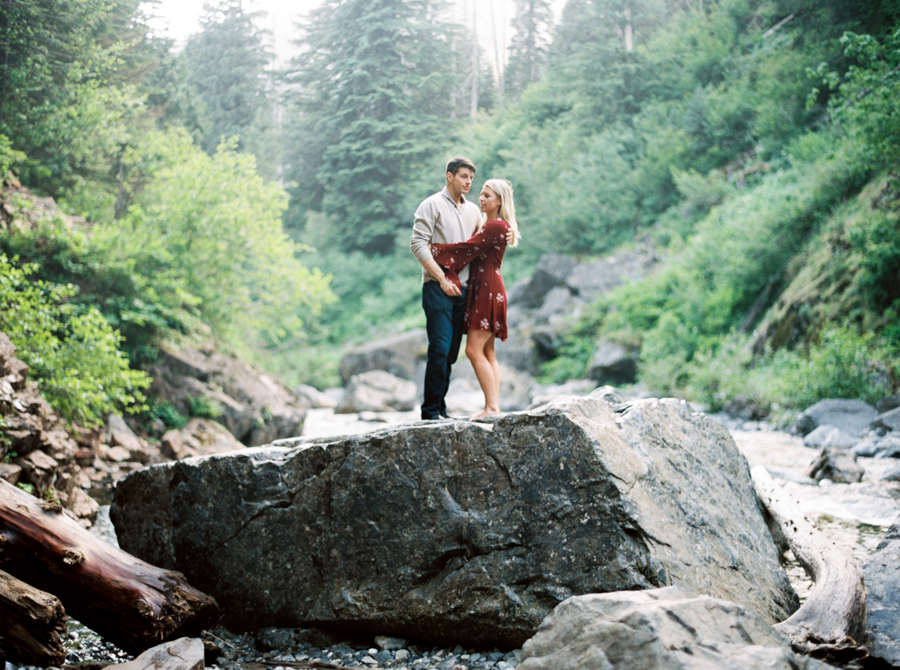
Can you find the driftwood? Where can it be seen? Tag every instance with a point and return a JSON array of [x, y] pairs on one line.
[[831, 624], [131, 603], [33, 623]]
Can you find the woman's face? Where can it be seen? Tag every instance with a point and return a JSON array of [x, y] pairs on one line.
[[490, 202]]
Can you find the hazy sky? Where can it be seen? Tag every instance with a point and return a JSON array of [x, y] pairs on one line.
[[181, 18]]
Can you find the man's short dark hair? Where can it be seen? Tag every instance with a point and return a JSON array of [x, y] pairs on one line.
[[459, 162]]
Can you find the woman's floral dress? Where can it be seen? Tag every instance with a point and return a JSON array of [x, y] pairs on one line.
[[486, 303]]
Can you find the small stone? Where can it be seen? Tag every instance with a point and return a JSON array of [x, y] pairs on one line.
[[401, 656], [390, 643], [384, 656], [458, 650], [368, 660], [496, 656]]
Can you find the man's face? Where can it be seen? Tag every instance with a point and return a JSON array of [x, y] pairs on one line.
[[460, 182]]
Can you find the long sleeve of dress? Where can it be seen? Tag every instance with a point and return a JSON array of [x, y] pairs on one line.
[[453, 257]]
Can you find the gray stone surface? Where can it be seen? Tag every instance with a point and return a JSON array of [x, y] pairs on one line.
[[552, 270], [377, 391], [829, 436], [661, 629], [851, 416], [399, 355], [254, 407], [882, 576], [837, 465], [889, 420], [460, 531], [612, 364]]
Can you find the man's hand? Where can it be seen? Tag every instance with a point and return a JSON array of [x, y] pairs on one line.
[[449, 288], [510, 237]]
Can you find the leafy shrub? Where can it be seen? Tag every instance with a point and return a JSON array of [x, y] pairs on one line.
[[167, 414], [205, 407], [74, 356]]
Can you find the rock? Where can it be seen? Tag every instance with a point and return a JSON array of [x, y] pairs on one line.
[[399, 355], [612, 364], [377, 391], [390, 643], [312, 398], [202, 437], [552, 271], [593, 279], [185, 653], [868, 448], [10, 472], [882, 576], [38, 469], [659, 629], [851, 416], [746, 408], [829, 436], [461, 531], [887, 404], [541, 395], [889, 446], [82, 505], [836, 465], [891, 474], [889, 420], [119, 434], [465, 395], [252, 406]]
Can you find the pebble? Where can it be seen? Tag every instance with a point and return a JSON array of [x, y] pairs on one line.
[[85, 645]]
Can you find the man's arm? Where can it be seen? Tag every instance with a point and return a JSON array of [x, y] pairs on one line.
[[419, 243]]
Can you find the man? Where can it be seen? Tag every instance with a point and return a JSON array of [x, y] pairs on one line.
[[445, 217]]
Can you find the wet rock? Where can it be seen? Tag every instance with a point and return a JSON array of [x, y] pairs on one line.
[[377, 391], [612, 364], [462, 531], [851, 416], [836, 465], [185, 653], [400, 355], [660, 629], [882, 576]]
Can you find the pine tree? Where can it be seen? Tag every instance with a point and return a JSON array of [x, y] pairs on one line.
[[226, 63], [371, 100], [530, 45]]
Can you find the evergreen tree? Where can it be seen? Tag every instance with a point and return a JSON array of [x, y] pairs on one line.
[[530, 45], [226, 65], [371, 100]]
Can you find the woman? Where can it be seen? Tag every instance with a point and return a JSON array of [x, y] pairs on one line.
[[485, 318]]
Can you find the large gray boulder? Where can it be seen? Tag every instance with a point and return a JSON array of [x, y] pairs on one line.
[[400, 355], [660, 629], [851, 416], [612, 364], [552, 270], [889, 420], [462, 532], [882, 576], [377, 391]]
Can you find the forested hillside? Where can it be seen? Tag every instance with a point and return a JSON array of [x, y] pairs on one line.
[[206, 195]]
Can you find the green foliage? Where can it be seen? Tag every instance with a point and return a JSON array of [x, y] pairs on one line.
[[8, 156], [28, 488], [225, 64], [73, 356], [205, 234], [371, 104], [842, 364], [529, 48], [205, 407], [167, 414]]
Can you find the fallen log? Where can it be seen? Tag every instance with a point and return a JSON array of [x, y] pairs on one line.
[[129, 602], [831, 624], [33, 624]]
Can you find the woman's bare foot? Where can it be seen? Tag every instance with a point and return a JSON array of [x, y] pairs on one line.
[[486, 412]]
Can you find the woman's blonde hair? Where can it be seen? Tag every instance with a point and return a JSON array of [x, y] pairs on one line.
[[507, 212]]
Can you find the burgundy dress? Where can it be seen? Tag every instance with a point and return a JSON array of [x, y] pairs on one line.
[[486, 303]]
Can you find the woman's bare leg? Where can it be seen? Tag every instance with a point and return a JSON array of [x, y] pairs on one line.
[[478, 343]]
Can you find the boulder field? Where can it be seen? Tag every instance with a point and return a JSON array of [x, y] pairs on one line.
[[459, 531]]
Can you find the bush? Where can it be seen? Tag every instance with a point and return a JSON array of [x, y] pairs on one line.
[[74, 356]]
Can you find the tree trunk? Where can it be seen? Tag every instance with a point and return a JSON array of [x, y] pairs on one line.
[[831, 624], [131, 603], [33, 623]]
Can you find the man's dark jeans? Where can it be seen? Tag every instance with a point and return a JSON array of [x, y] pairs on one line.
[[444, 322]]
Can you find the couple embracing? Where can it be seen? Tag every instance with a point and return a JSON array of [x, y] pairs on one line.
[[461, 250]]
